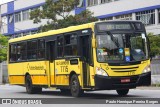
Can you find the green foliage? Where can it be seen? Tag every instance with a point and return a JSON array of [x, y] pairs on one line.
[[58, 14], [52, 10], [82, 18], [154, 44], [3, 47]]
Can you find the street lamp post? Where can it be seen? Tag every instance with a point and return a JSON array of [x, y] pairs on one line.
[[1, 73]]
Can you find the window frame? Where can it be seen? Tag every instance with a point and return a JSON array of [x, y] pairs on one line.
[[25, 15], [71, 44], [17, 17], [150, 13], [27, 59]]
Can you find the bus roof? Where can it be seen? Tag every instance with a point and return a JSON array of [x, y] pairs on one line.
[[64, 30], [53, 32]]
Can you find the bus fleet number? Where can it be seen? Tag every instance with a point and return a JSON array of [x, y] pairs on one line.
[[64, 68], [131, 73]]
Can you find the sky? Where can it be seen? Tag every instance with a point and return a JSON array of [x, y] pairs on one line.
[[4, 1]]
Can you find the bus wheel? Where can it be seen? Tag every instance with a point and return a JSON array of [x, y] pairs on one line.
[[75, 86], [122, 92], [29, 87]]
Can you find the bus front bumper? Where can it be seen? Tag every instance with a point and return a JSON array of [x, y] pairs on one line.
[[112, 83]]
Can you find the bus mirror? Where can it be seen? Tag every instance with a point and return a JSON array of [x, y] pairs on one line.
[[94, 43]]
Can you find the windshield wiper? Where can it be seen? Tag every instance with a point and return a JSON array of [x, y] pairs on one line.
[[113, 38]]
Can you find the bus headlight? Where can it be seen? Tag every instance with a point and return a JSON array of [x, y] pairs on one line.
[[147, 69], [100, 71]]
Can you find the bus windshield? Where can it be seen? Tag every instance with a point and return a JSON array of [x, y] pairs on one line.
[[112, 47]]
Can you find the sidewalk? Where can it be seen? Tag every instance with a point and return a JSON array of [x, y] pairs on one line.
[[148, 88]]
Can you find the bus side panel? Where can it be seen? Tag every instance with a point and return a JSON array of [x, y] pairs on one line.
[[19, 80], [16, 73], [63, 68], [38, 72]]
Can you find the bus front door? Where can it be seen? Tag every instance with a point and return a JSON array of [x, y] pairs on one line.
[[84, 51], [51, 57]]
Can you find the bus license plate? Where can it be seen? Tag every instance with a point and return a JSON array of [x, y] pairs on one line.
[[125, 80]]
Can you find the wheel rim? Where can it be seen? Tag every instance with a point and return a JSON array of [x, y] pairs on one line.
[[74, 85]]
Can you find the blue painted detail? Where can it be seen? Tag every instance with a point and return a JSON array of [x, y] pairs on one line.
[[30, 7], [80, 9], [129, 11], [27, 30], [26, 8], [22, 31], [120, 50], [10, 7], [127, 58], [4, 14], [10, 10]]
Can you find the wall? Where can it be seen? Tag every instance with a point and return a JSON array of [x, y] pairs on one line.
[[19, 4], [4, 8], [155, 69], [121, 6], [3, 73]]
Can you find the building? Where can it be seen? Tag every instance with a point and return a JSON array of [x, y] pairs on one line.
[[15, 17], [15, 14]]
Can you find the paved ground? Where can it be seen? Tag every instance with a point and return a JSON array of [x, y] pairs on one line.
[[9, 91], [13, 91]]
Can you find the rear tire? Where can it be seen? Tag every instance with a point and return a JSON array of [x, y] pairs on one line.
[[75, 86], [29, 86], [122, 92]]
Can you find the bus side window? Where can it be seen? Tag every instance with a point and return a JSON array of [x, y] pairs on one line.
[[12, 53], [41, 49], [70, 46], [32, 50], [21, 51], [60, 50]]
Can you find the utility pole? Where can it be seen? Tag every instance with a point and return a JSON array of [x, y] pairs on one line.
[[0, 21], [0, 47], [1, 74]]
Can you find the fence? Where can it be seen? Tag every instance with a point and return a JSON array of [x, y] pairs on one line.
[[3, 73], [155, 68]]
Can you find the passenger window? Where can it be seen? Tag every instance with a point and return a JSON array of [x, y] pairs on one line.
[[70, 45], [32, 50], [60, 50], [41, 49], [13, 49], [21, 51]]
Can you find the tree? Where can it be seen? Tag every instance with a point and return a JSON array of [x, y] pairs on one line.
[[51, 10], [3, 47], [154, 44], [58, 14]]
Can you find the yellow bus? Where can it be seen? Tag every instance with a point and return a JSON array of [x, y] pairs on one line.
[[112, 55]]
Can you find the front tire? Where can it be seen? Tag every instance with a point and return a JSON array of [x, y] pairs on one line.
[[122, 92], [75, 86]]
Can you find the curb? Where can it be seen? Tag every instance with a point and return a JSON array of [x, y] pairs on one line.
[[148, 88]]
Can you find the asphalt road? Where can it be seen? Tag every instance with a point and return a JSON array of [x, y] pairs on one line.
[[11, 91]]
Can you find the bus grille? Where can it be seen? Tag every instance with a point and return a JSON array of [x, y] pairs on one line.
[[124, 69]]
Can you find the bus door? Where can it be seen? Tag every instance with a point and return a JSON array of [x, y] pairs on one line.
[[51, 57], [84, 52]]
